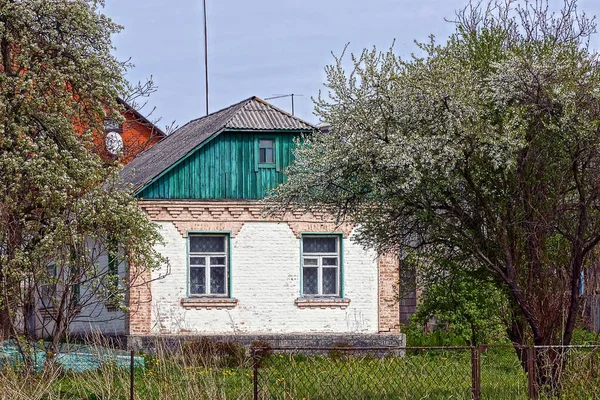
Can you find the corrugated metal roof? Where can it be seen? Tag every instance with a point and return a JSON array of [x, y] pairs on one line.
[[250, 114], [258, 114]]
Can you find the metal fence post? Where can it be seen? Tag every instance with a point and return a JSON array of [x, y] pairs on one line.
[[475, 373], [255, 372], [131, 375], [531, 373]]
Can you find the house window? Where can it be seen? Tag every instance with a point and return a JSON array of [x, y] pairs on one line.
[[112, 278], [208, 261], [111, 125], [48, 288], [266, 151], [320, 265]]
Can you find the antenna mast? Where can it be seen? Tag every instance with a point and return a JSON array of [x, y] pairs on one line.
[[279, 96], [205, 55]]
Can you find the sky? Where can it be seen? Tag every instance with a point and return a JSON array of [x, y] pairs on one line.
[[264, 47]]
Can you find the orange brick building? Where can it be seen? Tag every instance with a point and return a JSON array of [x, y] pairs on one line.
[[128, 138]]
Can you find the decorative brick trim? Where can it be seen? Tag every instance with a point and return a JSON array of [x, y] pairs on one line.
[[389, 306], [302, 227], [210, 226], [174, 211], [322, 303], [231, 216], [200, 303], [48, 314]]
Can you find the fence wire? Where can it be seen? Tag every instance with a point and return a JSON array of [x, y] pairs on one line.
[[212, 370], [363, 373], [573, 372], [502, 373]]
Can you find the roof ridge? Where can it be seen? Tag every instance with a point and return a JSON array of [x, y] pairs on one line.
[[215, 112], [282, 111], [198, 119], [239, 103]]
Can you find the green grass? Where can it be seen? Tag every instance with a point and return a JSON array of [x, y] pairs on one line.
[[431, 374]]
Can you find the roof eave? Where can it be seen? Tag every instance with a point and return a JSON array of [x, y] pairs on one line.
[[138, 115], [143, 186]]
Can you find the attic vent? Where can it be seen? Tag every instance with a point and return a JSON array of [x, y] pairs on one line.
[[324, 127]]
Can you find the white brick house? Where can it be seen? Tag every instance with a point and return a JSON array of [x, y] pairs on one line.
[[233, 270]]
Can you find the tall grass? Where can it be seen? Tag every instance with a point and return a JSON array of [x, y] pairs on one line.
[[204, 369]]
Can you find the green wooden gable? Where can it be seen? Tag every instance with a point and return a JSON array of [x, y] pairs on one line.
[[227, 167], [217, 157]]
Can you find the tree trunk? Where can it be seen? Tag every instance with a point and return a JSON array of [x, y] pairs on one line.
[[4, 322]]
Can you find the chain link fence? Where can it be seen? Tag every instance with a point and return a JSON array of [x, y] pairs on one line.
[[207, 369], [362, 373], [572, 371], [483, 372]]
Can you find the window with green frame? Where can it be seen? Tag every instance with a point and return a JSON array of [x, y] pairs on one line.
[[208, 264], [75, 278], [48, 288], [266, 151], [321, 265], [112, 267]]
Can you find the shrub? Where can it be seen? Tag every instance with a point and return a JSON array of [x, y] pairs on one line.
[[208, 352], [338, 353], [263, 351]]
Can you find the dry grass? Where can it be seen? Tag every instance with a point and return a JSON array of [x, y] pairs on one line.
[[208, 370]]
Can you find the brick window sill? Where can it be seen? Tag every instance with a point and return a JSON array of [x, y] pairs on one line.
[[323, 303], [47, 310], [208, 303]]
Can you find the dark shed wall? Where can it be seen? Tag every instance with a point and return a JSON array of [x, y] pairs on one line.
[[225, 168]]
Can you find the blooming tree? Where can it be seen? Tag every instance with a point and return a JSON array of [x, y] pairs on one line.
[[484, 149], [61, 206]]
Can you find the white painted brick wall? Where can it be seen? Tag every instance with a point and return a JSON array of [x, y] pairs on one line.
[[265, 278], [95, 317]]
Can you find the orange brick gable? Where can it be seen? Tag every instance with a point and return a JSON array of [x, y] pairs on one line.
[[138, 134]]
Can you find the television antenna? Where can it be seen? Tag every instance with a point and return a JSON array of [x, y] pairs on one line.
[[279, 96]]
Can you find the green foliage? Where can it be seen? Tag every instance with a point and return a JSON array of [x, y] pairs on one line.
[[417, 336], [480, 151], [60, 202], [585, 337], [465, 305], [208, 352]]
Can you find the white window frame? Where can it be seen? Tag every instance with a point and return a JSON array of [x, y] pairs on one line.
[[207, 266], [319, 266]]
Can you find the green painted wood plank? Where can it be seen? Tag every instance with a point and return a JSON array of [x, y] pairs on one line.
[[225, 161], [224, 168]]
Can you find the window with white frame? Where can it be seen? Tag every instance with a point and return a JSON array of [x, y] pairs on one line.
[[208, 265], [320, 265]]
